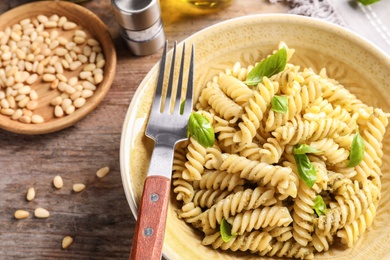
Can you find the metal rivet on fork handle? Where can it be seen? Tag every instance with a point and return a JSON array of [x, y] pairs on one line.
[[148, 232], [154, 197]]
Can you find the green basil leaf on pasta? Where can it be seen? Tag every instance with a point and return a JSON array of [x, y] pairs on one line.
[[307, 172], [357, 150], [319, 206], [226, 231], [200, 128], [182, 104], [304, 149], [367, 2], [267, 67], [279, 104]]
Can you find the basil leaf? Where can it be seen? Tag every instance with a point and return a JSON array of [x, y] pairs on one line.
[[200, 128], [319, 206], [279, 104], [306, 171], [304, 148], [357, 150], [182, 105], [226, 231], [367, 2], [267, 67]]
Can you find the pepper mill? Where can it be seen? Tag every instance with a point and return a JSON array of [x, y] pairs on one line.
[[140, 25]]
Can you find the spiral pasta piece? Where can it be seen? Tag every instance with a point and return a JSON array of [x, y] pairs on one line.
[[235, 89], [275, 216], [196, 160], [222, 104], [254, 171], [238, 202], [182, 187], [303, 211], [219, 180], [331, 150], [255, 110], [351, 232]]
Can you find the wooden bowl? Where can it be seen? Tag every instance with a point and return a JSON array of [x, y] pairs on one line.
[[94, 28]]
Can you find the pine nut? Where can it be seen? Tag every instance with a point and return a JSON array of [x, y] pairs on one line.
[[86, 93], [89, 67], [74, 65], [23, 103], [37, 119], [70, 90], [62, 21], [25, 90], [103, 172], [54, 17], [80, 33], [78, 39], [61, 77], [32, 105], [60, 51], [31, 79], [69, 26], [85, 74], [75, 96], [73, 81], [42, 18], [56, 101], [4, 103], [21, 214], [41, 213], [88, 85], [11, 102], [33, 95], [17, 114], [66, 103], [66, 242], [70, 109], [54, 84], [92, 42], [58, 112], [78, 187], [50, 24], [98, 78], [58, 182], [7, 111], [30, 194], [48, 77], [79, 102], [101, 63], [25, 119]]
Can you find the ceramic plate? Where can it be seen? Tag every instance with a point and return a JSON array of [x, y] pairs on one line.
[[354, 62]]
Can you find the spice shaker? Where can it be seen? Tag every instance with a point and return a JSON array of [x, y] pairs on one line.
[[140, 25]]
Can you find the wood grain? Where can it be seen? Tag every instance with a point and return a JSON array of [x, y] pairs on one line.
[[150, 228], [99, 218]]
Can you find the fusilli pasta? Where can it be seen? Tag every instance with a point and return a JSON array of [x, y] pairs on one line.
[[250, 177]]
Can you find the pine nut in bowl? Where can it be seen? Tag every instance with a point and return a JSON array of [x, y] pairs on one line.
[[323, 77], [57, 63]]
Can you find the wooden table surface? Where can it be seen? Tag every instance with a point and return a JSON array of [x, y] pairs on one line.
[[99, 218]]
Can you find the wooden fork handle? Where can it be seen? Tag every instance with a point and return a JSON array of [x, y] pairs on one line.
[[150, 228]]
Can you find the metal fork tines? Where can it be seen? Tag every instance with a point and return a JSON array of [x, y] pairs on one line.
[[171, 108], [169, 116]]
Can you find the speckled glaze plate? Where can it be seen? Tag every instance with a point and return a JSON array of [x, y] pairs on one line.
[[347, 57]]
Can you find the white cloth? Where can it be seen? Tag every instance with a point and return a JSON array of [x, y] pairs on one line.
[[371, 22]]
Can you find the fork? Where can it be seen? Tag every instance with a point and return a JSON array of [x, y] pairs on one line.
[[166, 127]]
